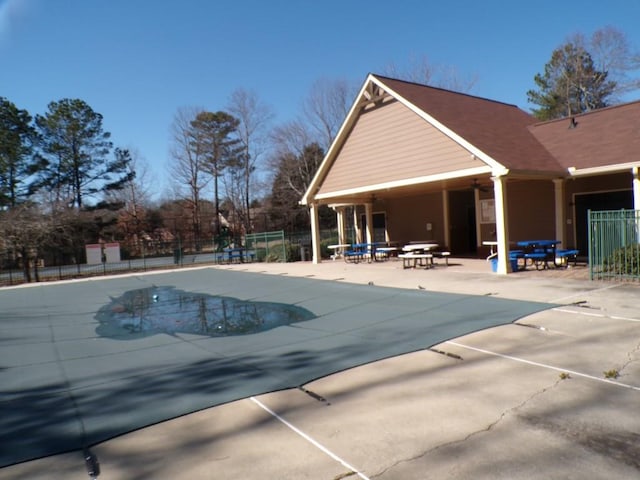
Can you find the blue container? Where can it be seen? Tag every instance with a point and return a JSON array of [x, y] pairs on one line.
[[494, 264]]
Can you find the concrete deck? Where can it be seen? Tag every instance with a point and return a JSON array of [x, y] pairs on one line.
[[523, 401]]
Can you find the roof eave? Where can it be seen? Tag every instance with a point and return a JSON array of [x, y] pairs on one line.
[[335, 145], [309, 195], [406, 183], [617, 168]]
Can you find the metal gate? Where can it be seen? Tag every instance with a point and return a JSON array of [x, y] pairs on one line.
[[269, 246], [614, 244]]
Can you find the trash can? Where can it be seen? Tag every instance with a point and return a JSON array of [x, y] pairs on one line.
[[305, 252], [494, 264]]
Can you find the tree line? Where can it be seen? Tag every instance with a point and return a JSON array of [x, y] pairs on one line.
[[63, 183]]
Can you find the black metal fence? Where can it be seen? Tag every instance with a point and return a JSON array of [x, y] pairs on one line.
[[40, 265], [56, 263]]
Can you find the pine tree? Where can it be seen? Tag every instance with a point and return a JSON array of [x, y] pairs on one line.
[[215, 136], [570, 85], [76, 147], [18, 162]]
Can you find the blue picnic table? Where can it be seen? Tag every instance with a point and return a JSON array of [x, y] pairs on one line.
[[239, 254], [543, 253], [362, 251]]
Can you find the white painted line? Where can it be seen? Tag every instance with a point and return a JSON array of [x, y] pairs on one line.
[[308, 438], [591, 314], [550, 367], [586, 292]]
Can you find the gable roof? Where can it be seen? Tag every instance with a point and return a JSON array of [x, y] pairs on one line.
[[607, 139], [504, 137], [497, 129]]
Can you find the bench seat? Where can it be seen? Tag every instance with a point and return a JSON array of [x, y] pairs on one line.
[[353, 256], [566, 255], [536, 255], [412, 260], [444, 255]]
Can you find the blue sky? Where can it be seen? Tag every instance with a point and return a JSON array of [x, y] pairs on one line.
[[137, 61]]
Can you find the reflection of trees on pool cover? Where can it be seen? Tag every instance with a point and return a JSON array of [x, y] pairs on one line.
[[148, 311]]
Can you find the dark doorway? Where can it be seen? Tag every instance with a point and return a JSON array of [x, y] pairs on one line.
[[462, 222], [379, 226], [597, 202]]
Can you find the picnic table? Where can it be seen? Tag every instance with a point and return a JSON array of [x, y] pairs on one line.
[[418, 254], [362, 251], [543, 253], [239, 254], [338, 249], [491, 244]]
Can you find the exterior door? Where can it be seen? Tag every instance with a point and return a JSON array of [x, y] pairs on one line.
[[462, 222], [379, 226], [596, 202]]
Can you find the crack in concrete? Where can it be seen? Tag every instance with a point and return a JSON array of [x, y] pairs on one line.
[[468, 437], [630, 359]]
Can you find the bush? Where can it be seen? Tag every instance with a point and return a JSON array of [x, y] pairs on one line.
[[624, 261]]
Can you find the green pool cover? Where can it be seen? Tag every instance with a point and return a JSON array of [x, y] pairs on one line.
[[84, 362]]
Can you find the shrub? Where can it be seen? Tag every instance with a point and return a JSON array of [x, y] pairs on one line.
[[624, 261]]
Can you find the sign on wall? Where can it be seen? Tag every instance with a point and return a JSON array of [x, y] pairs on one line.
[[488, 211]]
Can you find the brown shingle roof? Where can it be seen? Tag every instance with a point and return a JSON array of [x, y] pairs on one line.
[[498, 129], [608, 136]]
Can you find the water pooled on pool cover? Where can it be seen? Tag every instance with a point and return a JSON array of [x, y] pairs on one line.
[[148, 311]]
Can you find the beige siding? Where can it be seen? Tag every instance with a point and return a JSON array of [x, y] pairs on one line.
[[407, 218], [392, 143], [531, 210]]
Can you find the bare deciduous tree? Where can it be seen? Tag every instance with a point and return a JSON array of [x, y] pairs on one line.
[[254, 118], [135, 197], [612, 53], [326, 107], [24, 230], [420, 70], [188, 161]]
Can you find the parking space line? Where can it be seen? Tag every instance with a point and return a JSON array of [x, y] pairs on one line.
[[586, 292], [591, 314], [543, 365], [308, 438]]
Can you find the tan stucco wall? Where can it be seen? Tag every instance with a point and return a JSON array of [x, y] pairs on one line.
[[531, 207], [407, 218]]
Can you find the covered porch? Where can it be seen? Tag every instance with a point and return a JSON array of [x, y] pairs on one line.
[[413, 163]]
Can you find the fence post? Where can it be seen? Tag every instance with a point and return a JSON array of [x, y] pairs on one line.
[[590, 256]]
